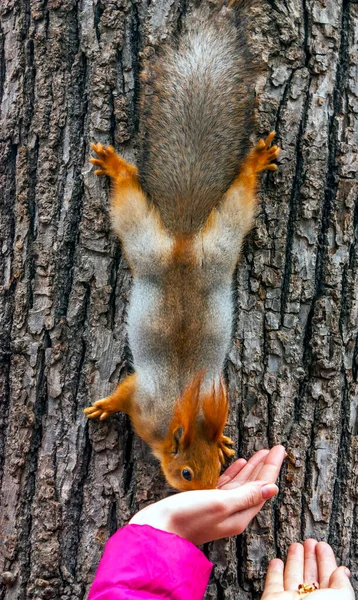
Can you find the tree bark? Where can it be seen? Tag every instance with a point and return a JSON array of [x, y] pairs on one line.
[[68, 76]]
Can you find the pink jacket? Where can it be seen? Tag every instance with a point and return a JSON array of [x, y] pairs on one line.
[[143, 563]]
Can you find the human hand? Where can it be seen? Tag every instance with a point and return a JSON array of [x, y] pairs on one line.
[[312, 562], [202, 516]]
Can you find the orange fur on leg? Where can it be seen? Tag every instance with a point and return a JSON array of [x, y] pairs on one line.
[[119, 401]]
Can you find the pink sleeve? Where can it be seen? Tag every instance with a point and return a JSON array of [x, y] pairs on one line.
[[143, 563]]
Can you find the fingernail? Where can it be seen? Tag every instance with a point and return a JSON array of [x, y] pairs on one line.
[[347, 572], [269, 490]]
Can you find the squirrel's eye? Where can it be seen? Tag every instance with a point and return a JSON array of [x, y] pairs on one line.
[[186, 474]]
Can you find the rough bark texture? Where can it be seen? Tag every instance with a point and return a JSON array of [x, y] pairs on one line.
[[69, 75]]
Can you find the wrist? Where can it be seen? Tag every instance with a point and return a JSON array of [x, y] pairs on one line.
[[158, 518]]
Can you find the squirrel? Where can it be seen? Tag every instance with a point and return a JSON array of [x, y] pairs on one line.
[[181, 218]]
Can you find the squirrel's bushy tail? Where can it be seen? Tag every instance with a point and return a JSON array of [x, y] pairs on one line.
[[197, 117]]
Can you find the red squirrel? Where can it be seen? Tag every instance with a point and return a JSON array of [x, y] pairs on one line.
[[181, 218]]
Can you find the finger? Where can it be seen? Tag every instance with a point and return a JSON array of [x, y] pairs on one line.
[[237, 522], [103, 416], [245, 474], [253, 463], [272, 464], [326, 563], [232, 471], [254, 476], [247, 515], [339, 580], [274, 578], [310, 569], [248, 495], [293, 574]]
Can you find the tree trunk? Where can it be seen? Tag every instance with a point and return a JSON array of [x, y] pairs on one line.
[[68, 76]]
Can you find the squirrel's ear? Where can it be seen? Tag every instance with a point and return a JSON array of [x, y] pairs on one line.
[[186, 410], [178, 434], [215, 409]]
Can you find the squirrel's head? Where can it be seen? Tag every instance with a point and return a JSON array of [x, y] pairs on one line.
[[195, 449]]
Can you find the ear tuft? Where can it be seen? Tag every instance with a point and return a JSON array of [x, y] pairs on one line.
[[186, 411], [215, 409]]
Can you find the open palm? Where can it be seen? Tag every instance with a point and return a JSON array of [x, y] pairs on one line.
[[311, 562]]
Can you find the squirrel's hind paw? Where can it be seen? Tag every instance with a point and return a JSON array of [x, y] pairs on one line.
[[110, 163]]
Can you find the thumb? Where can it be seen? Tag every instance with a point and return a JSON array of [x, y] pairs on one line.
[[249, 495], [339, 580]]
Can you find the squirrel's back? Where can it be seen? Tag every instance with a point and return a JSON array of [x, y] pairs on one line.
[[197, 117]]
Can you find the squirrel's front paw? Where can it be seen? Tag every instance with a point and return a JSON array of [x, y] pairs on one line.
[[262, 155], [224, 451], [101, 408], [110, 163]]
